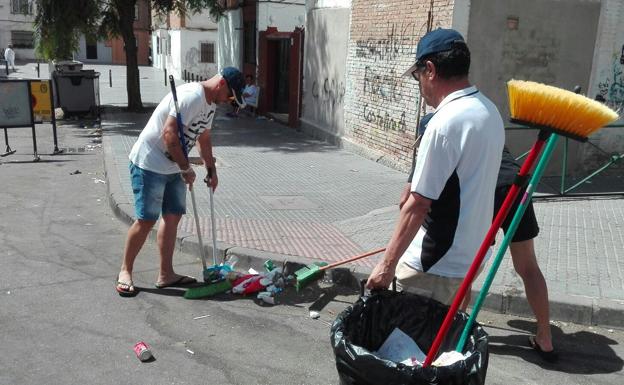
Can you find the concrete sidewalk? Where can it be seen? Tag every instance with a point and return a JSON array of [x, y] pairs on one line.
[[285, 196]]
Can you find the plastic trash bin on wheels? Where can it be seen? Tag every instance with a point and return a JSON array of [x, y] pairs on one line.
[[77, 90], [363, 327]]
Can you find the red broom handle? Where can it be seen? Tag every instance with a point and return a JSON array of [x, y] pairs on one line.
[[487, 242], [352, 259]]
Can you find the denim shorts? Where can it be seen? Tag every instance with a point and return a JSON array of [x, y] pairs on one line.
[[155, 193]]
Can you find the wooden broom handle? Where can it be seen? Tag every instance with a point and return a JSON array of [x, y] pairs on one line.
[[352, 259]]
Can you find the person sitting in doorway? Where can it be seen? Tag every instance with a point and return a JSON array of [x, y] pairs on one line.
[[250, 96]]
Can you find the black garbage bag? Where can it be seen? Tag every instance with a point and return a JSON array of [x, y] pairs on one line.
[[362, 328]]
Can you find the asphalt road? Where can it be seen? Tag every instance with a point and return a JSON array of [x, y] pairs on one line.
[[62, 322]]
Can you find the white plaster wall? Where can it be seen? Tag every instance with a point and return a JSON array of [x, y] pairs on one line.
[[285, 17], [173, 63], [189, 53], [157, 59], [461, 17], [185, 52], [104, 53], [321, 4], [324, 66], [607, 77], [230, 36], [160, 60]]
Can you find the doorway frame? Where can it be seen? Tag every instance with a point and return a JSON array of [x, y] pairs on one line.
[[266, 71]]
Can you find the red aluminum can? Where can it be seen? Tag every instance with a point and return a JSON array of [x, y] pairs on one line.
[[142, 351]]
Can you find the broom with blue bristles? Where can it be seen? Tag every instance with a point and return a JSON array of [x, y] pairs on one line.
[[554, 112]]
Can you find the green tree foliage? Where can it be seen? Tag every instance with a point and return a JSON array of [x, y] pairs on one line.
[[59, 25]]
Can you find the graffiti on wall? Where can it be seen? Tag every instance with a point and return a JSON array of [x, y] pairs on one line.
[[329, 90], [382, 85], [383, 120], [193, 65], [397, 42], [611, 87]]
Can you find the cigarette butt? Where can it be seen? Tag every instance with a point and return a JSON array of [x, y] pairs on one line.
[[202, 316], [190, 351]]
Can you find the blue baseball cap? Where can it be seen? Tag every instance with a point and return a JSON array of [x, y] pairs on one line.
[[235, 81], [438, 40]]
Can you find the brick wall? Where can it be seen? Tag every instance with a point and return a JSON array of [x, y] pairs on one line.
[[381, 105]]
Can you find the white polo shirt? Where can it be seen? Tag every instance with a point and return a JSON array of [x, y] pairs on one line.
[[149, 151], [457, 168]]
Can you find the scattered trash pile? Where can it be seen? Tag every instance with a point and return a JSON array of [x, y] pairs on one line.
[[265, 285]]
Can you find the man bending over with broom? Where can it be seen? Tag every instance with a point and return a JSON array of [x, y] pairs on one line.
[[450, 207], [159, 170]]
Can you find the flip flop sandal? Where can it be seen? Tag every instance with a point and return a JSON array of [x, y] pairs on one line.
[[125, 292], [182, 281], [550, 356]]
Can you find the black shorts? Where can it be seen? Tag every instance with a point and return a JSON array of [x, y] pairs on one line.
[[528, 228]]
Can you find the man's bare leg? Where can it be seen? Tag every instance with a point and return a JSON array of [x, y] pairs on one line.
[[137, 234], [525, 264], [166, 239]]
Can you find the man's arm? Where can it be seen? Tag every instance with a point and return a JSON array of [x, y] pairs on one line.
[[204, 143], [405, 194], [411, 218], [171, 139]]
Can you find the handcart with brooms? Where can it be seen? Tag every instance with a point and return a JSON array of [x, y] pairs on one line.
[[359, 331]]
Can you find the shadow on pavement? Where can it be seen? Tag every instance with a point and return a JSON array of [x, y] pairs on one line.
[[228, 132], [315, 296], [169, 291], [579, 353], [249, 132]]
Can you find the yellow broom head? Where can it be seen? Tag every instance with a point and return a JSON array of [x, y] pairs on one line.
[[563, 111]]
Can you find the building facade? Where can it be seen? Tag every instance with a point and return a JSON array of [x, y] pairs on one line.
[[16, 27], [185, 44], [112, 50], [355, 95], [265, 38], [280, 58]]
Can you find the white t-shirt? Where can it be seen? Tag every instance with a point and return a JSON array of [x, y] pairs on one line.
[[149, 151], [9, 55], [253, 91], [457, 167]]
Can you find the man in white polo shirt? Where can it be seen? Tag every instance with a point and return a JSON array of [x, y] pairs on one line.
[[449, 210]]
